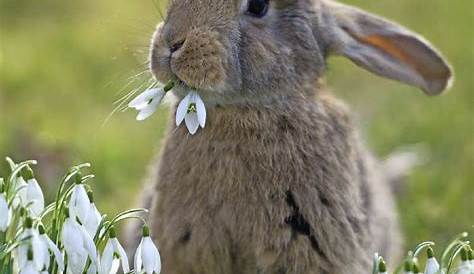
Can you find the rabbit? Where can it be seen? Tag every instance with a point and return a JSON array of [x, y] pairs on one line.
[[279, 180]]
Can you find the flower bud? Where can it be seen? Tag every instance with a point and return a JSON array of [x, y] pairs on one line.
[[112, 233], [146, 231], [28, 222], [41, 230], [27, 173], [430, 252], [78, 178], [382, 266]]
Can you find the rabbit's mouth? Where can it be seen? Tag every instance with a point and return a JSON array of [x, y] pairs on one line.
[[200, 62]]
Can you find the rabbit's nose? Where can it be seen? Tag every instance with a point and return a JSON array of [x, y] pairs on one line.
[[176, 46]]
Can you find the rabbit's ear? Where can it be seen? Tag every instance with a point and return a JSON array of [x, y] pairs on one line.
[[385, 48]]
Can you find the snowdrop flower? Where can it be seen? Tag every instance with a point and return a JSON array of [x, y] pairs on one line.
[[34, 194], [33, 242], [51, 247], [79, 204], [465, 267], [192, 110], [147, 103], [94, 218], [147, 257], [78, 246], [113, 256], [30, 267], [432, 265], [5, 213]]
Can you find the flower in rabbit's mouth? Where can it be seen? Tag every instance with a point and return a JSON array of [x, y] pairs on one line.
[[147, 103], [192, 110]]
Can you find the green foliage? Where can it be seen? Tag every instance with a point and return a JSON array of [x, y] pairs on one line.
[[63, 63]]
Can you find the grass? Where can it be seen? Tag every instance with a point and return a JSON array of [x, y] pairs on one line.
[[63, 63]]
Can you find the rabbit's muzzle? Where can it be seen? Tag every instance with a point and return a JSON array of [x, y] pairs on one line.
[[197, 60]]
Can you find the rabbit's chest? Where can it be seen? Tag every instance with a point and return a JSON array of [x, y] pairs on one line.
[[236, 170]]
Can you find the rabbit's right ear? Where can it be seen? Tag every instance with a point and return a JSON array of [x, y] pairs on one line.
[[383, 47]]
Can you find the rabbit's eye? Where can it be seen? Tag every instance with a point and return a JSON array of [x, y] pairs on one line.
[[258, 8]]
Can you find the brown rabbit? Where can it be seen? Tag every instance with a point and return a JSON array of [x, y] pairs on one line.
[[278, 181]]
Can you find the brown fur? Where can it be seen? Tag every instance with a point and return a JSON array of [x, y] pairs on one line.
[[278, 181]]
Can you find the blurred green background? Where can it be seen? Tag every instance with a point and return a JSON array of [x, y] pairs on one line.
[[63, 63]]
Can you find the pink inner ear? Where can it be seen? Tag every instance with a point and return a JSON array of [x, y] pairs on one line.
[[413, 53], [388, 47]]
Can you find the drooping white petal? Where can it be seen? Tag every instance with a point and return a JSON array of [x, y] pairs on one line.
[[464, 268], [432, 266], [109, 263], [93, 220], [138, 258], [182, 109], [107, 258], [30, 238], [71, 237], [148, 110], [150, 256], [123, 255], [29, 268], [5, 213], [79, 204], [34, 197], [192, 122], [201, 110], [89, 245], [92, 269], [142, 100], [40, 251], [58, 257]]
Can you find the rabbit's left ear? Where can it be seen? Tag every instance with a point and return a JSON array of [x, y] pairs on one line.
[[384, 48]]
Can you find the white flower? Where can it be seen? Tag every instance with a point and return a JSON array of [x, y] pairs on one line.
[[113, 256], [58, 256], [5, 213], [34, 197], [147, 257], [30, 267], [20, 188], [78, 246], [193, 111], [464, 268], [147, 102], [94, 218], [432, 265], [32, 242], [79, 205]]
